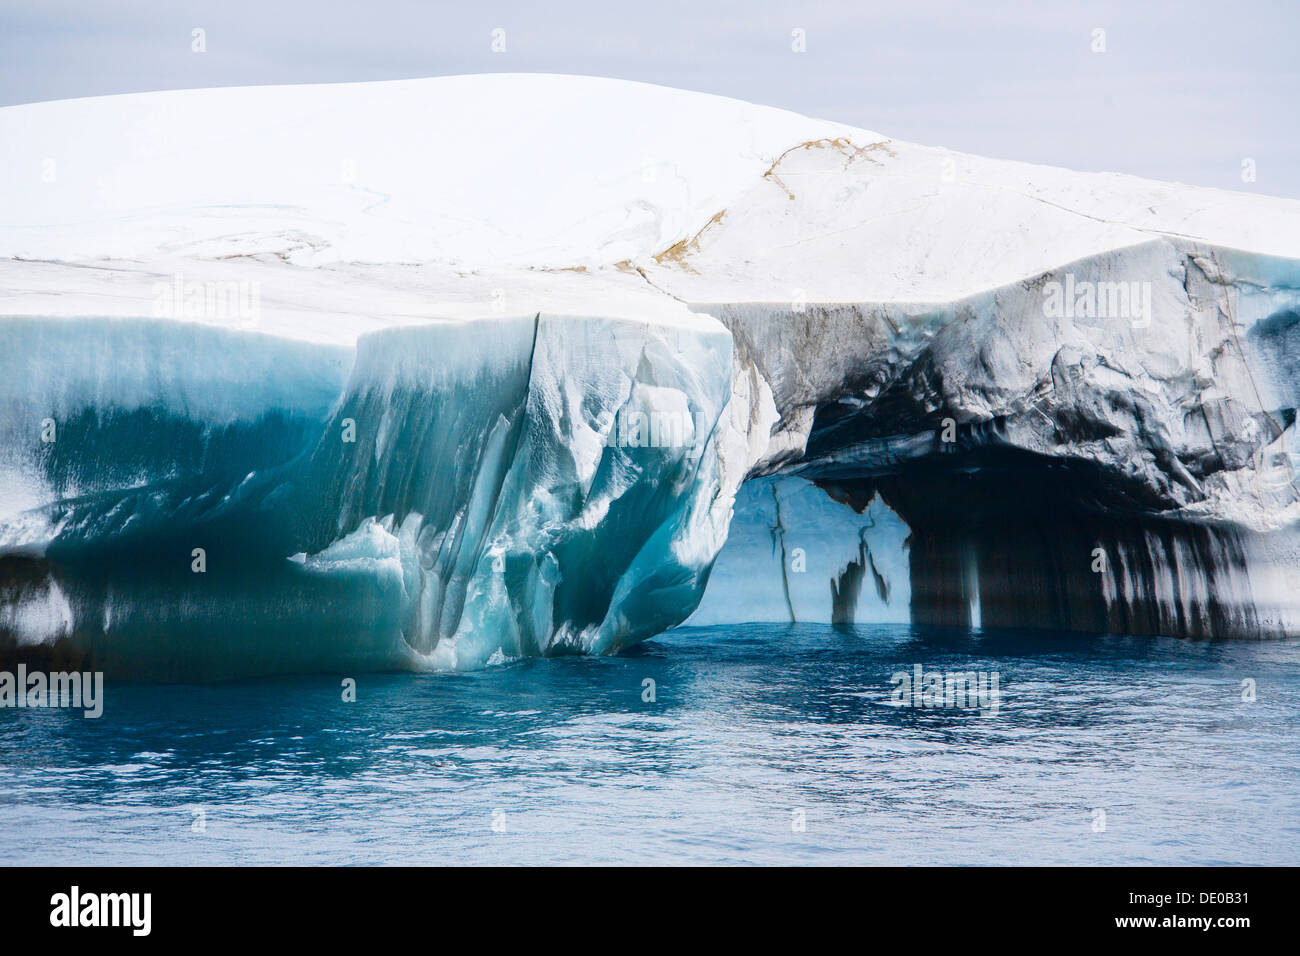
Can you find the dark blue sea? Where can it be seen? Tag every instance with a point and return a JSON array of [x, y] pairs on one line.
[[761, 744]]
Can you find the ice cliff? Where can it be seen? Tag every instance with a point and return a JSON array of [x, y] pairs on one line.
[[433, 373]]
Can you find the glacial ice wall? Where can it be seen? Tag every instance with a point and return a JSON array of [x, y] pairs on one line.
[[447, 494], [471, 491]]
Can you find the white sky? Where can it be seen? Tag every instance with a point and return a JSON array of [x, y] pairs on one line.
[[1185, 91]]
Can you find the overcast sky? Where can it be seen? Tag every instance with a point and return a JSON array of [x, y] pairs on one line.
[[1184, 90]]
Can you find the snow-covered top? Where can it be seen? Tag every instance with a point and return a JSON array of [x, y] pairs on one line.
[[356, 206], [896, 222], [472, 171]]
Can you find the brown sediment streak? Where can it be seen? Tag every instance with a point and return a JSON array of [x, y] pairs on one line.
[[678, 251]]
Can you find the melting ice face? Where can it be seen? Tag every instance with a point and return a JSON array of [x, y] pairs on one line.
[[796, 554], [461, 493], [466, 495]]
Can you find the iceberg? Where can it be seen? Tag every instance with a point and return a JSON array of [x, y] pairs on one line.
[[437, 373]]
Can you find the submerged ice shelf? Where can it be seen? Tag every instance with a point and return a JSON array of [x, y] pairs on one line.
[[396, 395]]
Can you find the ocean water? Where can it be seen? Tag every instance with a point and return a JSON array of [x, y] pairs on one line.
[[763, 744]]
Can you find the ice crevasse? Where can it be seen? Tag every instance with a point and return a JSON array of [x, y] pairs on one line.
[[396, 396]]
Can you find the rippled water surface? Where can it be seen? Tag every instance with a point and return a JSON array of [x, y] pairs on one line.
[[752, 730]]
